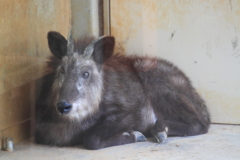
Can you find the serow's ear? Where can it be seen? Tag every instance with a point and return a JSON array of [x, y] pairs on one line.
[[57, 44], [103, 49]]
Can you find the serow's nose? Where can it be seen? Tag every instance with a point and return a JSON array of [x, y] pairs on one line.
[[64, 107]]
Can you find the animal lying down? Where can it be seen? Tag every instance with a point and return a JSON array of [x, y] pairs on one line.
[[98, 99]]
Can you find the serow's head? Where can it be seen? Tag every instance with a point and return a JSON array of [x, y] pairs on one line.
[[78, 80]]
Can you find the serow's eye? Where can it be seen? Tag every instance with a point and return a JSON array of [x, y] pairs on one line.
[[62, 70], [85, 75]]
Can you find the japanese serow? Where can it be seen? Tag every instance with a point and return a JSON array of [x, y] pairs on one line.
[[100, 99]]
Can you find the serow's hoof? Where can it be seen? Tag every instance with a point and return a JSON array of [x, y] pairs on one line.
[[161, 137], [139, 137]]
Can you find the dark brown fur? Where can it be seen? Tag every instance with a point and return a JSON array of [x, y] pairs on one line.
[[140, 96]]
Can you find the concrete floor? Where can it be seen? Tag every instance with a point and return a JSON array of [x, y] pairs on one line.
[[221, 143]]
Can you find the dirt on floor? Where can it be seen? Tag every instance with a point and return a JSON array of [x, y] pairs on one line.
[[222, 142]]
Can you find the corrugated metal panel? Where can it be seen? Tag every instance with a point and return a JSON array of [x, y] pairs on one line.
[[85, 18]]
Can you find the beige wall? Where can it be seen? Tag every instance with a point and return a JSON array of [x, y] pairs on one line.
[[23, 49], [201, 37]]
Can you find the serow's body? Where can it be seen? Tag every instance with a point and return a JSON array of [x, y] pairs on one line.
[[98, 99]]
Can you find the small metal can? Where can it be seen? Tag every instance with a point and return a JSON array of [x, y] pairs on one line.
[[9, 144]]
